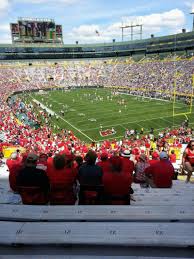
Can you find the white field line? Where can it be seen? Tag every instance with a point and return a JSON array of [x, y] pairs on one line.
[[128, 115], [136, 122], [69, 123], [165, 120], [95, 115], [121, 124]]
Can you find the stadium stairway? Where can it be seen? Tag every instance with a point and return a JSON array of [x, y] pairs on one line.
[[159, 223]]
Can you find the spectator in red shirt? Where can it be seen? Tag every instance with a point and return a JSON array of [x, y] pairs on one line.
[[188, 160], [62, 178], [128, 165], [104, 163], [117, 182], [42, 162], [14, 164], [172, 157], [155, 158], [160, 175]]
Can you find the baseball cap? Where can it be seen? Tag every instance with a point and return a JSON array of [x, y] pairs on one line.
[[163, 155], [155, 154], [14, 155]]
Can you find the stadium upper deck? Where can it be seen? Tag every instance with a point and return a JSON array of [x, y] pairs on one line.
[[179, 43]]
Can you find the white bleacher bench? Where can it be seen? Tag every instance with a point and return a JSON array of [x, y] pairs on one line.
[[98, 233], [96, 213], [84, 257], [162, 200]]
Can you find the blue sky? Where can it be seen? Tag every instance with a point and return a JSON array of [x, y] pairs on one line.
[[81, 18]]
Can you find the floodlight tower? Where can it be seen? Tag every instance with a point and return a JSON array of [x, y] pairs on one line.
[[193, 19], [131, 27]]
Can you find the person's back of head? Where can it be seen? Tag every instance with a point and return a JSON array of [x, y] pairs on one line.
[[116, 163], [43, 157], [79, 160], [59, 161], [91, 157], [31, 160], [104, 156], [163, 156]]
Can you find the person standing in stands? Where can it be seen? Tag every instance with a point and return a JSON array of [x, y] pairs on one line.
[[160, 174], [188, 160]]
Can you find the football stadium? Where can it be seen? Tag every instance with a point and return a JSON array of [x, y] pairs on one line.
[[97, 139]]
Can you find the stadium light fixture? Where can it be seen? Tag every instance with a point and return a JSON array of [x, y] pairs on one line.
[[192, 13]]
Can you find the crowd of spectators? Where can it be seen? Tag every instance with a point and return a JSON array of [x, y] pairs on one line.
[[63, 180], [57, 157]]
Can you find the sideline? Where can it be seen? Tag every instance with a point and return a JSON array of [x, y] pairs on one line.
[[63, 119]]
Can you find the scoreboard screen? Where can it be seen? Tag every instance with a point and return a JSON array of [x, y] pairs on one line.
[[36, 30]]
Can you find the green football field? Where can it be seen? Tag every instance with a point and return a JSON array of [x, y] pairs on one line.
[[89, 111]]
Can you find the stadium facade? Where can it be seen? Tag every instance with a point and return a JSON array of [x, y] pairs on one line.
[[182, 44]]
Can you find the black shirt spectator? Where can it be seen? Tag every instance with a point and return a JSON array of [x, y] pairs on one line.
[[90, 173], [30, 176]]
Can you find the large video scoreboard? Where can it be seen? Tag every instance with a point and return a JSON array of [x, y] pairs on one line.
[[34, 30]]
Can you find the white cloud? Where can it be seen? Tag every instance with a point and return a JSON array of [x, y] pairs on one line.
[[4, 27], [5, 33], [5, 38], [190, 4], [171, 21], [4, 5]]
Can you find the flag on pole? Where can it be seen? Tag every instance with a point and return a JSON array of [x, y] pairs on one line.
[[97, 32]]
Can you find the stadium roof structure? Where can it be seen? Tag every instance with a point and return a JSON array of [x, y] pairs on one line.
[[182, 43], [154, 40]]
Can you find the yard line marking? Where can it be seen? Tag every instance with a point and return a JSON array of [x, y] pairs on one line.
[[126, 123], [68, 123], [166, 120]]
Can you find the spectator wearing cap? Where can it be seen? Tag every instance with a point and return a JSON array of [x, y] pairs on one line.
[[140, 167], [128, 165], [117, 183], [155, 158], [160, 175], [14, 165], [30, 176]]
